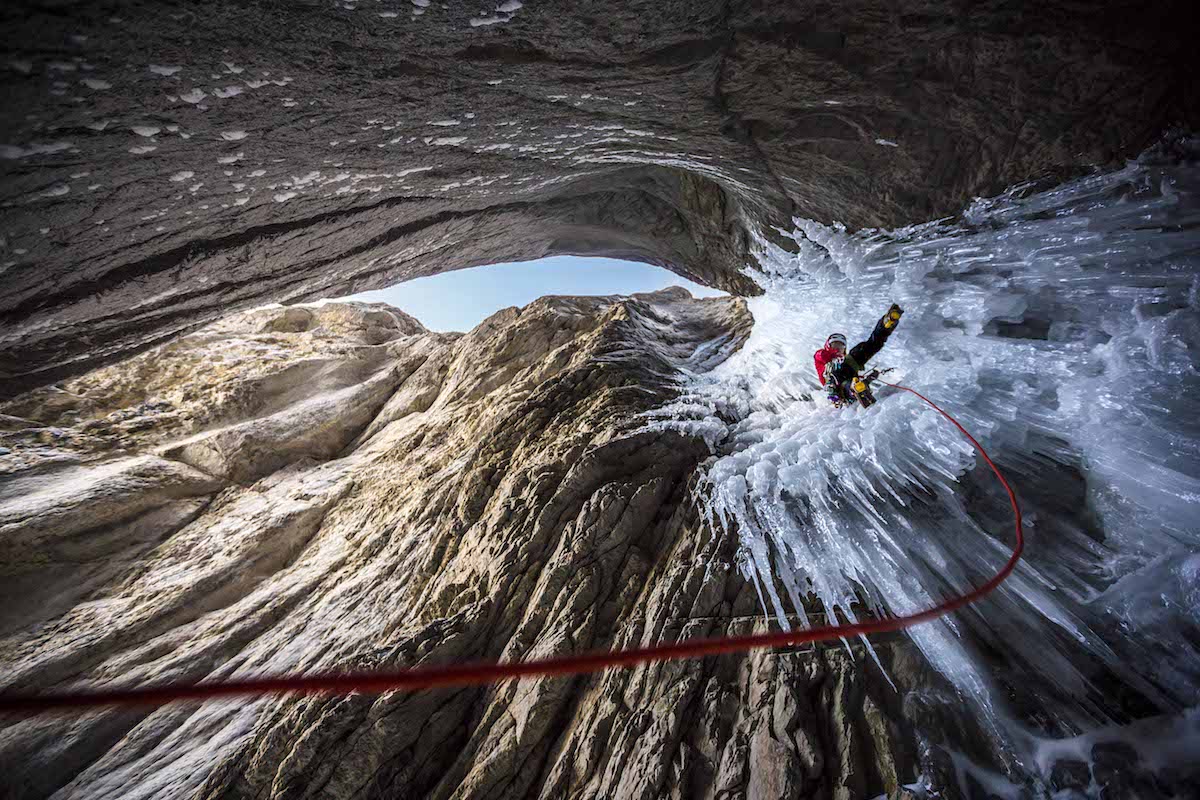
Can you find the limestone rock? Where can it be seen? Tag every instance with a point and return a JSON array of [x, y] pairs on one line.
[[161, 169], [505, 502]]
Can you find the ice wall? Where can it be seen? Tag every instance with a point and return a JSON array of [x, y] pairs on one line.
[[1061, 326]]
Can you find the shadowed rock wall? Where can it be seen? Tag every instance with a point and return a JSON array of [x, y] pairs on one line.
[[163, 164]]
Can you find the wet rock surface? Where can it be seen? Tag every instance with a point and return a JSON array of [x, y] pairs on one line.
[[499, 501], [162, 167]]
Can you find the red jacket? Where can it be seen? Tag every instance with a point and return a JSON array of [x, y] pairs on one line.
[[823, 357]]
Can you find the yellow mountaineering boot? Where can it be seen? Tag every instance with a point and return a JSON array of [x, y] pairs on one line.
[[892, 317]]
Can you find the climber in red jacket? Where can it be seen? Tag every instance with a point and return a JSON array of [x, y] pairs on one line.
[[835, 367]]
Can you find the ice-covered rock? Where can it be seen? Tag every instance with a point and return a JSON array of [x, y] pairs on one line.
[[1062, 328]]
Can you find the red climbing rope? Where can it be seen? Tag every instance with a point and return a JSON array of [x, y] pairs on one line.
[[434, 677]]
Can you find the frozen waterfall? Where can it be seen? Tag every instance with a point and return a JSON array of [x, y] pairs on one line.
[[1062, 327]]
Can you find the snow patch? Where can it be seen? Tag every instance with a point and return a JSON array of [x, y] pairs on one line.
[[233, 136], [11, 152], [305, 179]]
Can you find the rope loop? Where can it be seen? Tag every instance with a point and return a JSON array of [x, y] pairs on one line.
[[478, 674]]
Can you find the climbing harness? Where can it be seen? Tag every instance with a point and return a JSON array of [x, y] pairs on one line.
[[477, 674]]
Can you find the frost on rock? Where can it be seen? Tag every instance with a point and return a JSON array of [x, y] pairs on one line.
[[1062, 328], [11, 152], [504, 12]]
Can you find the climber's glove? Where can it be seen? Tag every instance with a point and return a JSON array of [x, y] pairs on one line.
[[892, 316]]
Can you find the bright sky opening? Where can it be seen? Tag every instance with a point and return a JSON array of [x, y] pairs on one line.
[[460, 300]]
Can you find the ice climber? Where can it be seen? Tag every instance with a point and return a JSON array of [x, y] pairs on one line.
[[836, 367]]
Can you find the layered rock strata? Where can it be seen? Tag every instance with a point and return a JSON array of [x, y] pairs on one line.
[[160, 168], [336, 488]]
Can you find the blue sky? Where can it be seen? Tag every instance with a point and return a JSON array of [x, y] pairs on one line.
[[460, 300]]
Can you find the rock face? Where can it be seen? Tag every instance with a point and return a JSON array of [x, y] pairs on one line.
[[162, 168], [337, 488]]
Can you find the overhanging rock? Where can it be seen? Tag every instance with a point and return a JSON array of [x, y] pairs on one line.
[[161, 168]]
